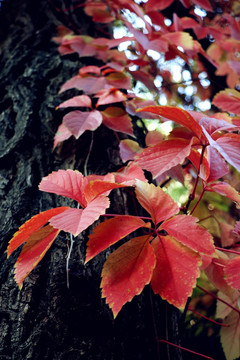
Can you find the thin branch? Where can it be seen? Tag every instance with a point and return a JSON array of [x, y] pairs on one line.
[[185, 349], [216, 297], [205, 317]]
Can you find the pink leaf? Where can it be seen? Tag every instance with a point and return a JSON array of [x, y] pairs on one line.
[[89, 84], [230, 149], [62, 134], [117, 119], [128, 149], [129, 174], [81, 101], [77, 220], [155, 201], [217, 165], [228, 146], [78, 121], [110, 96], [67, 183], [163, 156]]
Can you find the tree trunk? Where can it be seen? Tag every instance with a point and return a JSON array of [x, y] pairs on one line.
[[46, 320]]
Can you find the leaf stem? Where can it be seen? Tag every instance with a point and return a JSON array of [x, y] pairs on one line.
[[88, 155], [199, 199], [216, 297], [192, 195], [205, 317], [185, 349]]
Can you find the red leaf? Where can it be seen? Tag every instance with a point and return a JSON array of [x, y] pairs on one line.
[[178, 115], [110, 231], [232, 271], [31, 226], [117, 119], [185, 229], [67, 183], [228, 100], [152, 5], [163, 156], [77, 220], [176, 271], [155, 201], [33, 251], [81, 101], [78, 121], [225, 189], [126, 272]]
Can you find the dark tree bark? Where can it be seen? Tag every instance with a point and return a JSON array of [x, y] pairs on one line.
[[46, 320]]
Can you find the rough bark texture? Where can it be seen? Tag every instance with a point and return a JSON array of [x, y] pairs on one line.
[[45, 320]]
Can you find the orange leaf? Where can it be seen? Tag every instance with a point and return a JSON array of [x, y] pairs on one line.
[[126, 272], [31, 226], [33, 251]]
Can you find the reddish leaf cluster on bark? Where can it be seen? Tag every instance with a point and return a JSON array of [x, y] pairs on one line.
[[202, 150]]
